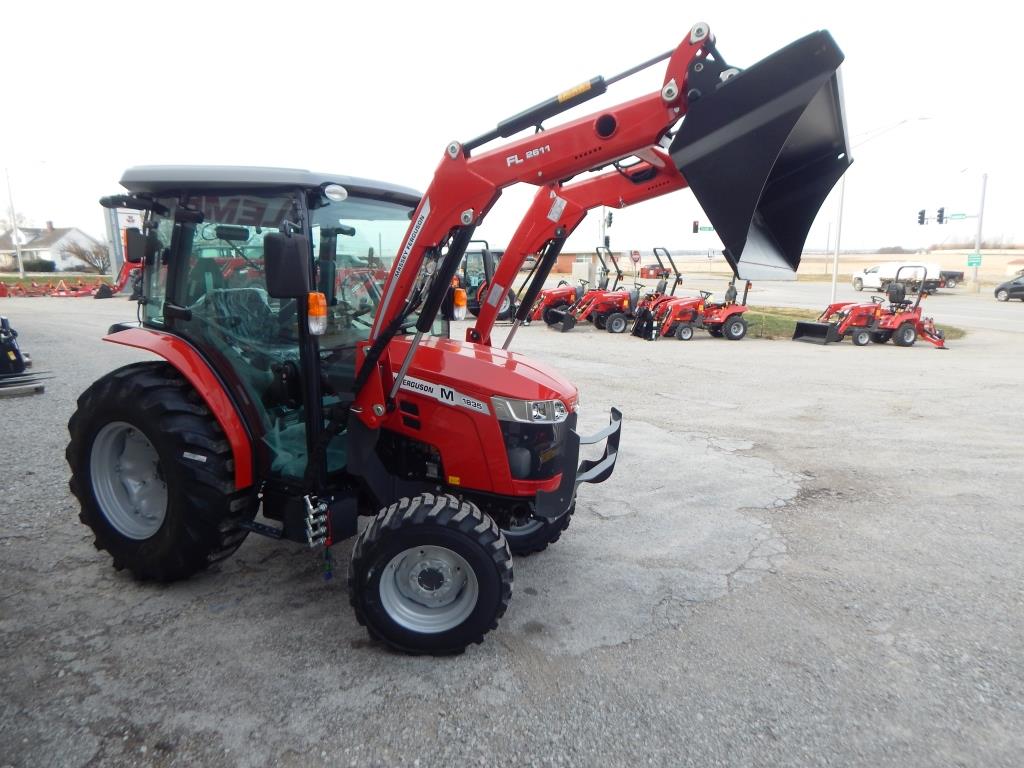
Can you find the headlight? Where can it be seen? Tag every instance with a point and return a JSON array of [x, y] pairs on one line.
[[530, 411]]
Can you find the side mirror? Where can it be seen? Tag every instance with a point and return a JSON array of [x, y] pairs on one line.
[[287, 264], [138, 247]]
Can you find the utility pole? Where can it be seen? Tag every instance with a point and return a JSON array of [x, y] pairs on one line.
[[839, 233], [977, 236], [17, 241]]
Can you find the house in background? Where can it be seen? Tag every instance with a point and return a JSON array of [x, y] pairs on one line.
[[48, 243]]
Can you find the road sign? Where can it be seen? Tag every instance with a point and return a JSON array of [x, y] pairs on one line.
[[973, 259], [707, 229], [634, 256], [957, 216]]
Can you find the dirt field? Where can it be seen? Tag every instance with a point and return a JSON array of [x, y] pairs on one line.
[[806, 556]]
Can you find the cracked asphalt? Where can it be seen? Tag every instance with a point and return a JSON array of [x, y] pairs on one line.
[[806, 556]]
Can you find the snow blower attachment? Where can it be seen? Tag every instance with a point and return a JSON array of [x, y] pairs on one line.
[[761, 148]]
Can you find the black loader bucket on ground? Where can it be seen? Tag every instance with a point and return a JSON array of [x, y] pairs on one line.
[[816, 333], [761, 148]]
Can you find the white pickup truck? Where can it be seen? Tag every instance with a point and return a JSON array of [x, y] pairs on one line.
[[878, 276]]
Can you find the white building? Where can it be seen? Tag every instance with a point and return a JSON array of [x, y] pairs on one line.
[[49, 243]]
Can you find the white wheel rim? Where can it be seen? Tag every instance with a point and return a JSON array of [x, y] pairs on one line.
[[125, 471], [428, 589]]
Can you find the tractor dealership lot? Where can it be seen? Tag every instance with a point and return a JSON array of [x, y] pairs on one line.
[[806, 556]]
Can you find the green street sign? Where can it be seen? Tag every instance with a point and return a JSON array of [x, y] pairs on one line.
[[957, 216], [974, 260], [707, 229]]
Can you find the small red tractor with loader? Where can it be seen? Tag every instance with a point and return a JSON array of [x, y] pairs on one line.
[[316, 401], [866, 322]]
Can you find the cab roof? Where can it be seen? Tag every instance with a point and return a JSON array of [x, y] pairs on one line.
[[164, 179]]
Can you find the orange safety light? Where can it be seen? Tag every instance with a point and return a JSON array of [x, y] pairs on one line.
[[316, 313]]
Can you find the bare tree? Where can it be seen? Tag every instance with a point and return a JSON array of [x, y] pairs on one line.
[[96, 257]]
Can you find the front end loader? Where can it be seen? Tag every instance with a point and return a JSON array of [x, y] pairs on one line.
[[316, 399]]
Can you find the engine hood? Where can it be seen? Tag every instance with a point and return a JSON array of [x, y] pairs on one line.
[[481, 371]]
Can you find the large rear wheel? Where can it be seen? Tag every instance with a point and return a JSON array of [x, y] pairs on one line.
[[735, 328], [154, 474], [905, 335], [431, 575]]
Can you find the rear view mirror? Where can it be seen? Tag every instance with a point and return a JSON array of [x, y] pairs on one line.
[[287, 265], [138, 247]]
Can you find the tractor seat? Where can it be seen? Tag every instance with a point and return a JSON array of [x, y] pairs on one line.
[[580, 290], [730, 295], [897, 294], [244, 312], [661, 286]]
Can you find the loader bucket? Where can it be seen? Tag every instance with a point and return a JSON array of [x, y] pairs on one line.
[[816, 333], [762, 149], [567, 324]]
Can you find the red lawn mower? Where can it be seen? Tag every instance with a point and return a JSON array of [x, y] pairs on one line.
[[901, 321]]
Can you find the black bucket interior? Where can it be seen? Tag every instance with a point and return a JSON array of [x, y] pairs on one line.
[[815, 333], [761, 150]]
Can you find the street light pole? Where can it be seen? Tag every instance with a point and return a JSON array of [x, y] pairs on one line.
[[14, 226], [839, 233], [977, 235]]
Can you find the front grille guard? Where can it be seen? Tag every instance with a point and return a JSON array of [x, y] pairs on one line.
[[551, 505]]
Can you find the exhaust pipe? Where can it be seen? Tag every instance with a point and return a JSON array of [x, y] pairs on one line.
[[761, 148], [816, 333]]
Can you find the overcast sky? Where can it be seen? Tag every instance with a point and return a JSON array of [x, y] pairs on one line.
[[378, 89]]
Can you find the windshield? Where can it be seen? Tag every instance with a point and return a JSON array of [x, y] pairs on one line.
[[354, 243]]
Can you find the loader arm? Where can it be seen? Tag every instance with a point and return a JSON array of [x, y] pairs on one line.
[[557, 210], [785, 112]]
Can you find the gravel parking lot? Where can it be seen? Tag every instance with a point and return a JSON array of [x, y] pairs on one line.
[[806, 556]]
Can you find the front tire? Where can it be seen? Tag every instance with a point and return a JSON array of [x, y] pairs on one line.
[[858, 284], [154, 474], [1003, 295], [616, 323], [684, 332], [431, 575], [735, 328], [534, 534], [860, 337]]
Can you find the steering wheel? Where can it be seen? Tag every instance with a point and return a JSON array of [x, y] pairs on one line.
[[878, 299], [583, 282], [705, 295]]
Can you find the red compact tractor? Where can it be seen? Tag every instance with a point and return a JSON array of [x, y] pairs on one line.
[[680, 318], [608, 309], [315, 400], [900, 321]]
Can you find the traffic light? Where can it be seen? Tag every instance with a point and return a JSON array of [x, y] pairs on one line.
[[608, 219], [920, 216], [696, 227], [607, 241], [940, 216]]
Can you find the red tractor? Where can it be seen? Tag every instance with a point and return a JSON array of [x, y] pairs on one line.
[[680, 318], [900, 321], [316, 401]]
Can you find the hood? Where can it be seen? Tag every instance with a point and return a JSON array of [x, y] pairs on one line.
[[481, 371]]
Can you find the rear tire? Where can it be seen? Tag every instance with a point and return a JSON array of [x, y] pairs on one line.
[[553, 314], [860, 337], [735, 328], [905, 335], [104, 291], [154, 474], [951, 283], [716, 332], [858, 284], [616, 323], [431, 575]]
